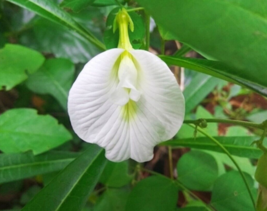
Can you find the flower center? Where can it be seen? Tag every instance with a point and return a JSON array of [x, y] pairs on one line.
[[127, 76]]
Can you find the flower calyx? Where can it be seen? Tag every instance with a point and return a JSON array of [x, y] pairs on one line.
[[123, 21]]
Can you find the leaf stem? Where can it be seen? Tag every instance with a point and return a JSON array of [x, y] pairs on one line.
[[227, 121], [230, 156]]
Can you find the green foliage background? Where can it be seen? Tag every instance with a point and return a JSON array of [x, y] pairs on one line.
[[43, 46]]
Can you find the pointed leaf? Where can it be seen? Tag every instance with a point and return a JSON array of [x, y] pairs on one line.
[[71, 188], [20, 166], [22, 130], [55, 77], [16, 62]]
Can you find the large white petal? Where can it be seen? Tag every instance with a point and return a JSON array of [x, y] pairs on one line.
[[123, 132]]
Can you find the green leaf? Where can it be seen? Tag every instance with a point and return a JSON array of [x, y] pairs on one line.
[[216, 69], [230, 31], [197, 170], [240, 146], [49, 10], [136, 37], [230, 193], [71, 188], [16, 62], [75, 5], [198, 89], [22, 130], [115, 174], [20, 166], [55, 77], [112, 199], [153, 193]]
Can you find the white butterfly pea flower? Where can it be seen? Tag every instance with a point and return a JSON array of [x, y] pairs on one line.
[[125, 100]]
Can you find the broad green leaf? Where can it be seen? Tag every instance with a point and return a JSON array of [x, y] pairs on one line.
[[71, 188], [153, 193], [216, 69], [22, 130], [63, 42], [230, 193], [197, 170], [16, 62], [239, 146], [112, 199], [115, 174], [199, 87], [75, 5], [136, 37], [230, 31], [55, 77], [49, 10], [24, 165]]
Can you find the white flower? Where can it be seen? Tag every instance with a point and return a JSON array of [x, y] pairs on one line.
[[126, 101]]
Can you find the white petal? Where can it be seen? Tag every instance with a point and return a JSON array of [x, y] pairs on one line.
[[126, 128]]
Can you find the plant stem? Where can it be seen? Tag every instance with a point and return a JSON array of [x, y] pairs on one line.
[[227, 121], [135, 9], [230, 156], [170, 161]]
